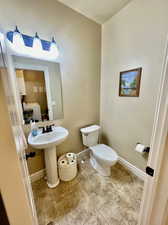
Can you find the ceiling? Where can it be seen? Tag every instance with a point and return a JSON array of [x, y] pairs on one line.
[[97, 10]]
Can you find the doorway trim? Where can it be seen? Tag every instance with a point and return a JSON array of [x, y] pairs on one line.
[[158, 140]]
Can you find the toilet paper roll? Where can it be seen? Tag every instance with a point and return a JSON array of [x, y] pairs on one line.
[[140, 148], [72, 162], [63, 163], [70, 156]]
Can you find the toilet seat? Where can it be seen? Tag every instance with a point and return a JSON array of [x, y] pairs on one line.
[[104, 152]]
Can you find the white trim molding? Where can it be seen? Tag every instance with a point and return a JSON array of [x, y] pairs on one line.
[[84, 153], [37, 176], [136, 171]]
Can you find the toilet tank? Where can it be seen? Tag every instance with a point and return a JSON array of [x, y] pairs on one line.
[[90, 135]]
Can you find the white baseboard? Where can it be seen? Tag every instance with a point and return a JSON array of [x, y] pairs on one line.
[[136, 171], [37, 176]]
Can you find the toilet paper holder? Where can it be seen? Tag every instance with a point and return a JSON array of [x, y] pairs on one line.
[[146, 149]]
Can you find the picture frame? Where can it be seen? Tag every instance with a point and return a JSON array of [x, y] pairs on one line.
[[130, 80]]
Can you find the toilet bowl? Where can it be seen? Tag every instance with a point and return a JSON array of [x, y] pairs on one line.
[[102, 158]]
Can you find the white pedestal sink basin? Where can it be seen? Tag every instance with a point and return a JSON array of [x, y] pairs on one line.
[[48, 142]]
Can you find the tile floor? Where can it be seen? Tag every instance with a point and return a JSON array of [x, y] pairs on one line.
[[90, 199]]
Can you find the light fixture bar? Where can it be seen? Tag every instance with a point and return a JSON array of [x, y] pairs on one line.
[[32, 46]]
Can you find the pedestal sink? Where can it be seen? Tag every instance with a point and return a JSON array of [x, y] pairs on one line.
[[48, 142]]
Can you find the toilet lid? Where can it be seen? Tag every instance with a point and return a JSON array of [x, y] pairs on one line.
[[90, 129], [104, 152]]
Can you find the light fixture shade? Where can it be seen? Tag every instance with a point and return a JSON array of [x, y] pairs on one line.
[[1, 36], [37, 46], [18, 39], [54, 49], [28, 46]]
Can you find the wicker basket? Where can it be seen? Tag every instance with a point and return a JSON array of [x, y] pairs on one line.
[[67, 167]]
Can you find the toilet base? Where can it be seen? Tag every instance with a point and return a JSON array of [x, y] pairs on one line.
[[104, 171]]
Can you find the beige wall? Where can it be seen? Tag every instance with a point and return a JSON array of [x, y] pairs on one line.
[[79, 40], [135, 37]]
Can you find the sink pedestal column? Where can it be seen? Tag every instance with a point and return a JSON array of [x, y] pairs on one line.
[[51, 167]]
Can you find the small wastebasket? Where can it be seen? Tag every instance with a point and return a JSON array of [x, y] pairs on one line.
[[67, 166]]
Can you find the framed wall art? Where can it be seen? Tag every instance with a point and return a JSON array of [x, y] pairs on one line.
[[130, 83]]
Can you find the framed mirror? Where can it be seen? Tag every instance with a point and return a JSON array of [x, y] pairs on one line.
[[39, 86]]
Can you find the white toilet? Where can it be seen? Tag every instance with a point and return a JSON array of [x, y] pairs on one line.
[[102, 157]]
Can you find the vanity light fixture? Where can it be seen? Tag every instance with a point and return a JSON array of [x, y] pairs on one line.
[[25, 45]]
